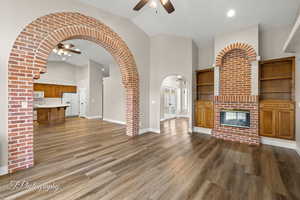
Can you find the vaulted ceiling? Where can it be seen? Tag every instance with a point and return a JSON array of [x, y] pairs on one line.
[[202, 19]]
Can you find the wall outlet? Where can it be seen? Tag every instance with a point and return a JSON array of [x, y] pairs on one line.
[[24, 104], [299, 104]]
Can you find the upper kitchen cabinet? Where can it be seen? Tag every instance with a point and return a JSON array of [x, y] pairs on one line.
[[54, 91]]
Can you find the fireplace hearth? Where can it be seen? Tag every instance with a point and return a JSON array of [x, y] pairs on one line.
[[235, 118]]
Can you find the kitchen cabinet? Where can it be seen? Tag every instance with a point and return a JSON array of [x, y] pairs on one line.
[[54, 91]]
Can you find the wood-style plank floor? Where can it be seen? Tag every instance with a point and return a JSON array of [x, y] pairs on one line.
[[92, 159]]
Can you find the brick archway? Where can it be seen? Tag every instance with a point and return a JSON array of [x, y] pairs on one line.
[[28, 59], [249, 50]]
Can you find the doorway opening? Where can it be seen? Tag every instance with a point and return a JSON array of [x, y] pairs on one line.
[[29, 58], [174, 98]]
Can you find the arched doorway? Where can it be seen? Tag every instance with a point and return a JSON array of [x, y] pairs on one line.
[[28, 59], [174, 98]]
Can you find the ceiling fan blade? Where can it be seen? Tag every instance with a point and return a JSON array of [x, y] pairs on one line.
[[140, 5], [167, 5], [73, 51]]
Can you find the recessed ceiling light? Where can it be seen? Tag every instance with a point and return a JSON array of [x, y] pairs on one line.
[[231, 13]]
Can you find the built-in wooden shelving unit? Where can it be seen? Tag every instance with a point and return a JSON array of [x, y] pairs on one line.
[[277, 79], [277, 95], [205, 95], [205, 85]]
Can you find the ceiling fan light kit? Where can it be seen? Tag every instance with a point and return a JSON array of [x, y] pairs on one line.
[[65, 50], [153, 4]]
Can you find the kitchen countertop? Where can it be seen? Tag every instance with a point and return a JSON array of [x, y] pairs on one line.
[[51, 106]]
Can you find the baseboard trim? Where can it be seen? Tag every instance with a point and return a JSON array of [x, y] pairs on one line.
[[298, 150], [3, 170], [279, 143], [114, 121], [177, 116], [94, 117], [202, 130]]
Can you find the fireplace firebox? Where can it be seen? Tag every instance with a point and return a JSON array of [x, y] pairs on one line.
[[235, 118]]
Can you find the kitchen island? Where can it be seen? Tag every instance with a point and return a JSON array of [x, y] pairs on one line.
[[51, 114]]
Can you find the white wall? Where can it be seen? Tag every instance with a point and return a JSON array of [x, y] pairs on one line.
[[248, 35], [170, 55], [114, 96], [59, 73], [15, 15], [94, 107], [206, 57], [82, 77]]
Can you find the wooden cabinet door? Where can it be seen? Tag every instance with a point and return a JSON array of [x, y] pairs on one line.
[[268, 122], [285, 124], [204, 114], [199, 115], [209, 117], [49, 91]]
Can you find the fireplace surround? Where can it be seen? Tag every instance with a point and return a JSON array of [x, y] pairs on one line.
[[235, 65]]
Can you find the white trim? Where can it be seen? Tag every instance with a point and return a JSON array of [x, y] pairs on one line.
[[174, 117], [114, 121], [298, 150], [202, 130], [143, 131], [291, 36], [3, 170], [147, 130], [279, 142], [154, 130], [94, 117], [169, 118], [190, 130], [183, 116]]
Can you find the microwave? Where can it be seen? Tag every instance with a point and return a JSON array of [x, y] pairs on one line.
[[38, 94]]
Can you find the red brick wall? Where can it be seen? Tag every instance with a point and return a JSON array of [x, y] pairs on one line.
[[235, 74], [243, 135], [28, 59], [235, 93]]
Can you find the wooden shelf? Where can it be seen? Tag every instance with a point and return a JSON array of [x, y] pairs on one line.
[[275, 92], [206, 93], [276, 78], [205, 84]]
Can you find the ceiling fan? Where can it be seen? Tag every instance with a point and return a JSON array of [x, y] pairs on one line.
[[165, 3], [65, 49]]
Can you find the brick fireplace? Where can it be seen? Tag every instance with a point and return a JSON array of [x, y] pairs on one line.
[[236, 68]]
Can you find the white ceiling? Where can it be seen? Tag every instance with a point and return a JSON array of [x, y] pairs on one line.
[[90, 51], [202, 19]]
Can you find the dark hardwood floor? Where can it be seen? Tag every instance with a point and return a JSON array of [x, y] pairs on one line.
[[92, 159]]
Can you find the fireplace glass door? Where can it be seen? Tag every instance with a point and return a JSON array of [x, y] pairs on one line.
[[235, 118]]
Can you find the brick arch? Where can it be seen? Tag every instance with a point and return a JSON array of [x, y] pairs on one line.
[[28, 58], [249, 51]]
